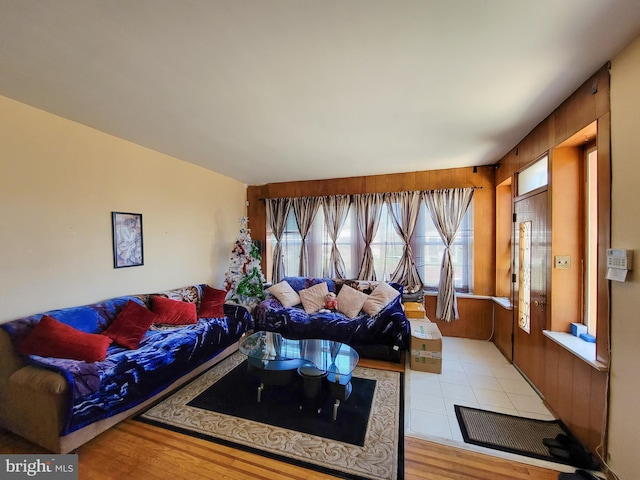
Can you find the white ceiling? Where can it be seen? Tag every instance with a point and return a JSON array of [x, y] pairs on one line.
[[279, 90]]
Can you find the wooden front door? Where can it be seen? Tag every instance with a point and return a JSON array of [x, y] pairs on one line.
[[532, 242]]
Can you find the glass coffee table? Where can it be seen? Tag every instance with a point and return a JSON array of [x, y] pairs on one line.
[[277, 360]]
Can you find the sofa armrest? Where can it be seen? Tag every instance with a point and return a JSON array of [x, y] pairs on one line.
[[40, 379], [239, 313], [10, 361], [34, 406]]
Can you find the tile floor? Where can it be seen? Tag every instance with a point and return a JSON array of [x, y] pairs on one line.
[[474, 374]]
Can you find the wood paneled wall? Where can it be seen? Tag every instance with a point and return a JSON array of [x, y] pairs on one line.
[[484, 205], [474, 322], [587, 104], [503, 331], [574, 390]]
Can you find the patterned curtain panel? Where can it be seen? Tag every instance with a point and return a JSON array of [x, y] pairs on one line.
[[447, 208], [335, 210], [403, 210], [368, 208], [305, 209], [277, 213]]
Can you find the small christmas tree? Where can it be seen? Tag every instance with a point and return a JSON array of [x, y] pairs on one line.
[[244, 281]]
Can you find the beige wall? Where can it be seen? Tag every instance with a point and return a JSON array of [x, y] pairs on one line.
[[624, 406], [59, 183]]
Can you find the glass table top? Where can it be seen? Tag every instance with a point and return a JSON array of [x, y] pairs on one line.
[[272, 351]]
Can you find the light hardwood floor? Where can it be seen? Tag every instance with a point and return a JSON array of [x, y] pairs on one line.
[[135, 450]]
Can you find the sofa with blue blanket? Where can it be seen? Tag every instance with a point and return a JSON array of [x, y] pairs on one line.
[[366, 315], [125, 352]]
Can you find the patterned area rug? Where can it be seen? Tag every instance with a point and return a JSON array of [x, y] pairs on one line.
[[508, 433], [380, 456]]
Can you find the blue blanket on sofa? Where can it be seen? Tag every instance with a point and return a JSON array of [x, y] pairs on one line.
[[389, 327], [126, 377]]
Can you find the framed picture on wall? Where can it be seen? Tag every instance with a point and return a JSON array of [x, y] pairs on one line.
[[127, 239]]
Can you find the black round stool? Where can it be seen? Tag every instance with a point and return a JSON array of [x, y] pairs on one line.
[[314, 390]]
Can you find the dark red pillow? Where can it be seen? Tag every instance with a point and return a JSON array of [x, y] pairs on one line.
[[212, 302], [130, 325], [51, 338], [174, 312]]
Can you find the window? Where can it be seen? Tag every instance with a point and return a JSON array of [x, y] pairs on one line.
[[428, 250], [387, 247], [576, 217], [524, 276], [349, 246], [591, 240], [533, 177], [292, 242]]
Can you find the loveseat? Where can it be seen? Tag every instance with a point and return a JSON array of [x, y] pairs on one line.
[[61, 403], [375, 329]]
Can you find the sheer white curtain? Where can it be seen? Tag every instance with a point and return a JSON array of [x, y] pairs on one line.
[[403, 211], [277, 213], [335, 245], [447, 208], [305, 209], [368, 207], [335, 210]]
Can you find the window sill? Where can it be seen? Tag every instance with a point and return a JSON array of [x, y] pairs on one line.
[[584, 350], [504, 302], [431, 293]]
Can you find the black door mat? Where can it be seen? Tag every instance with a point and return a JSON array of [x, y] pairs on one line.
[[522, 436]]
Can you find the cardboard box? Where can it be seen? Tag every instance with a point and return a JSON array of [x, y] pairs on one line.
[[414, 310], [426, 347]]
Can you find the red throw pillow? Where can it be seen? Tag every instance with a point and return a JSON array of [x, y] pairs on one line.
[[51, 338], [174, 312], [212, 302], [130, 325]]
